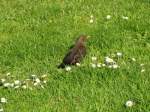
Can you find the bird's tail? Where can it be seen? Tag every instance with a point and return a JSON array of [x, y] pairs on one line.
[[62, 65]]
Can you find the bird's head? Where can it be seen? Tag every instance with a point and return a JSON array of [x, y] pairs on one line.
[[82, 38]]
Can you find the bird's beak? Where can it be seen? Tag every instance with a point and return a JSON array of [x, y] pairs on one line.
[[88, 36]]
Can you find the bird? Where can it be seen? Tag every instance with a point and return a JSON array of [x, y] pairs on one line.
[[76, 53]]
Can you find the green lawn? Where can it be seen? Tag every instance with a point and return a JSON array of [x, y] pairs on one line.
[[36, 34]]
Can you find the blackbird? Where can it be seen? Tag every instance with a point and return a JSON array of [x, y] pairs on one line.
[[76, 53]]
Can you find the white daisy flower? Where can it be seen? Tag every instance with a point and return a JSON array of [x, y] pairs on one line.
[[133, 59], [17, 82], [16, 87], [143, 70], [24, 87], [37, 80], [110, 66], [6, 85], [94, 58], [125, 17], [33, 76], [44, 76], [141, 64], [103, 65], [68, 68], [35, 84], [1, 110], [28, 79], [115, 66], [8, 74], [3, 100], [93, 65], [109, 60], [99, 65], [129, 103], [91, 16], [44, 81], [78, 64], [3, 80], [108, 17], [119, 54], [91, 20]]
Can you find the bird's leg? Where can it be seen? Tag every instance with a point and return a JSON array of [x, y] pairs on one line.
[[81, 54], [75, 60]]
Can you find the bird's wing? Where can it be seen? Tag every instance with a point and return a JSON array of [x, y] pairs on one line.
[[78, 55], [68, 58]]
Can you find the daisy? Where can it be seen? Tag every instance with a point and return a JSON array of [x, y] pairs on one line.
[[108, 17], [1, 110], [8, 74], [129, 103], [44, 82], [33, 76], [17, 82], [143, 70], [125, 17], [28, 79], [44, 76], [35, 84], [37, 80], [91, 16], [94, 58], [6, 85], [16, 87], [109, 60], [115, 66], [110, 66], [3, 100], [99, 65], [103, 65], [24, 87], [3, 80], [119, 54], [68, 68], [93, 65], [77, 64], [91, 20], [141, 64], [133, 59]]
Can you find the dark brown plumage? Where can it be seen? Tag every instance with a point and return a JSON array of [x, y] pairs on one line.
[[76, 53]]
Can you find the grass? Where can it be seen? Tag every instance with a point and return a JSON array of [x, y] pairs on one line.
[[35, 35]]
